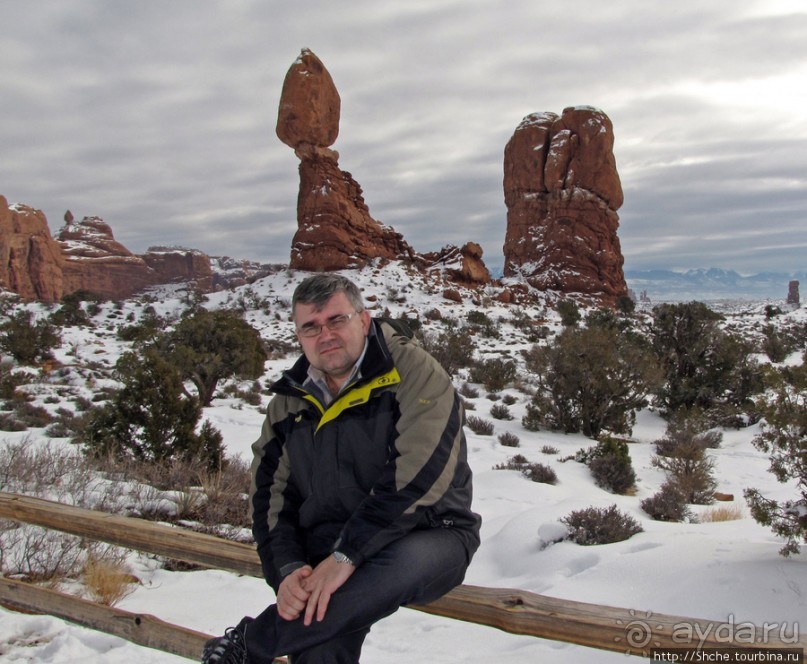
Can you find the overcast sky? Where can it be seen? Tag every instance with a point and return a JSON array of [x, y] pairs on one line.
[[159, 116]]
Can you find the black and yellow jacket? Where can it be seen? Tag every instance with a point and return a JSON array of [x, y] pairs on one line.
[[385, 457]]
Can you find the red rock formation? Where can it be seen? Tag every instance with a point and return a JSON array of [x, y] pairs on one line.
[[30, 259], [84, 256], [309, 104], [464, 265], [562, 190], [94, 261], [176, 265], [793, 293], [335, 229]]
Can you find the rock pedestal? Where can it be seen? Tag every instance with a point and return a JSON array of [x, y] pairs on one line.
[[334, 228]]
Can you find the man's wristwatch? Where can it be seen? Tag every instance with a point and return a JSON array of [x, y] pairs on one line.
[[342, 558]]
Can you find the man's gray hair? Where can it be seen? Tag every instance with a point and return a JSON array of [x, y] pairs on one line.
[[319, 288]]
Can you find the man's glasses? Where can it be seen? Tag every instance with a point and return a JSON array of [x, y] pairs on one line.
[[310, 330]]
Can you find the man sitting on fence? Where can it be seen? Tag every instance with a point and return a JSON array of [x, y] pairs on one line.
[[361, 490]]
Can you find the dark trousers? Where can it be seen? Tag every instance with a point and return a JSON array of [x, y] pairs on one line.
[[416, 569]]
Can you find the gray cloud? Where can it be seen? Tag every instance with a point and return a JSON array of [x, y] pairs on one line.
[[160, 117]]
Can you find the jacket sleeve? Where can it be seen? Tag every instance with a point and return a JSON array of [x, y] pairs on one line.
[[423, 460], [274, 503]]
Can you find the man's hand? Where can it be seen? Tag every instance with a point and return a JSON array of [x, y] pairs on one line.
[[323, 582], [291, 595]]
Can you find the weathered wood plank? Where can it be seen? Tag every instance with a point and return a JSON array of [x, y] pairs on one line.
[[137, 534], [143, 629]]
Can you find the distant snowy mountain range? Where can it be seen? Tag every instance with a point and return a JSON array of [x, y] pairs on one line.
[[705, 284], [711, 284]]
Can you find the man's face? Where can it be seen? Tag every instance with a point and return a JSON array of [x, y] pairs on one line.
[[334, 352]]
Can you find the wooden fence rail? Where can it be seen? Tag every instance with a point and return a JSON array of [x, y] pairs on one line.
[[515, 611]]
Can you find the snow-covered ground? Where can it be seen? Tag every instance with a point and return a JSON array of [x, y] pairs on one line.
[[728, 571]]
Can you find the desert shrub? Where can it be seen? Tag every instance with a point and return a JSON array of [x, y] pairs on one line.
[[209, 346], [226, 497], [494, 373], [9, 379], [480, 426], [667, 504], [71, 313], [539, 472], [500, 412], [783, 437], [26, 415], [186, 488], [594, 525], [56, 473], [569, 313], [108, 580], [480, 322], [549, 449], [19, 414], [590, 380], [515, 462], [251, 396], [625, 305], [26, 340], [509, 439], [774, 344], [721, 513], [611, 466], [469, 391], [478, 317], [606, 318], [150, 419], [688, 426], [64, 425], [536, 472], [771, 311], [509, 400], [453, 347], [690, 471], [703, 365]]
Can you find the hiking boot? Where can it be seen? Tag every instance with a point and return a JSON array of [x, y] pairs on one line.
[[228, 649]]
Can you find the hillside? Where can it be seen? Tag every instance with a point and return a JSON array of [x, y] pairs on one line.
[[728, 571]]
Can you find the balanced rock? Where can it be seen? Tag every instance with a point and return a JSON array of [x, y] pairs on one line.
[[334, 228], [30, 259], [562, 191], [309, 104]]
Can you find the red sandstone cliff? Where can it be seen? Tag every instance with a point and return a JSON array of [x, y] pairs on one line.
[[30, 259], [84, 256], [94, 261]]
